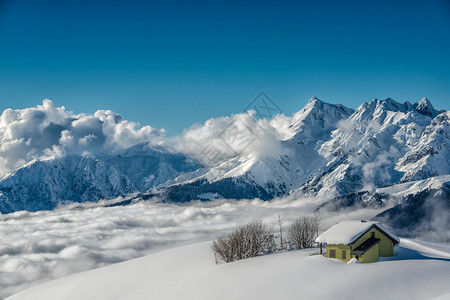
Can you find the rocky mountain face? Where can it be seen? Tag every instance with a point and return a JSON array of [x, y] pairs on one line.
[[334, 152]]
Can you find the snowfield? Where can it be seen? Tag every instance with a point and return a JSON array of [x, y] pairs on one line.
[[417, 271]]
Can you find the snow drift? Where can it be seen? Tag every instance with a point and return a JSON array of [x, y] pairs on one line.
[[190, 272]]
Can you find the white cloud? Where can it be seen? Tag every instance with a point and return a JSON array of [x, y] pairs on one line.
[[234, 135], [282, 126], [46, 130]]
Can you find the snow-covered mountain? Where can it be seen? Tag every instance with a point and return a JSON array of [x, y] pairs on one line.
[[336, 151], [332, 151], [383, 143], [252, 176], [45, 184]]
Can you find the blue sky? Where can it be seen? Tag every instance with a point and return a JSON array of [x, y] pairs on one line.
[[170, 64]]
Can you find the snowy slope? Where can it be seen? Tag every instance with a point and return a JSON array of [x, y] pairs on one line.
[[388, 196], [190, 273], [414, 187], [416, 208]]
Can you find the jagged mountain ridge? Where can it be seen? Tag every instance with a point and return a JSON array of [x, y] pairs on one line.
[[336, 151], [383, 143], [333, 151]]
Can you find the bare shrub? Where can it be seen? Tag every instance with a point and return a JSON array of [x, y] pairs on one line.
[[244, 242], [303, 231]]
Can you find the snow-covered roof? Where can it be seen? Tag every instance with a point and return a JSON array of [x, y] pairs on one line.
[[347, 232]]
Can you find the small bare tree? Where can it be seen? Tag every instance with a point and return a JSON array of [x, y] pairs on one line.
[[280, 226], [303, 231], [317, 222], [244, 242]]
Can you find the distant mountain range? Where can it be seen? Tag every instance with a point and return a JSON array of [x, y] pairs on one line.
[[45, 184], [334, 153]]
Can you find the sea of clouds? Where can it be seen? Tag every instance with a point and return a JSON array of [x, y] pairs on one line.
[[40, 246]]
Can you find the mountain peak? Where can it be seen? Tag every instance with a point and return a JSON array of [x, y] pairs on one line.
[[424, 102], [388, 104], [425, 107], [320, 116], [313, 104], [314, 99]]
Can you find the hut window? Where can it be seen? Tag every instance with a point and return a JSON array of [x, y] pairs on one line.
[[344, 254], [332, 253], [372, 234]]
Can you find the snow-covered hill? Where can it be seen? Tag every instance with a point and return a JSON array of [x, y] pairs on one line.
[[417, 271]]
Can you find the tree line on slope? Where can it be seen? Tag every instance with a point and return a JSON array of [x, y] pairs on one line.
[[256, 238]]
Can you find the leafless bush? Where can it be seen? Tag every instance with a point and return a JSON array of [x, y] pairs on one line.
[[246, 241], [303, 231]]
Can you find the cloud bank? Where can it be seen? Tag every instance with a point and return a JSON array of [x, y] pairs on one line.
[[40, 246], [239, 134], [46, 131]]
